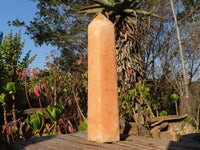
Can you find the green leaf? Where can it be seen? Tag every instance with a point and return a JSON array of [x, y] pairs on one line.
[[15, 130], [104, 3], [163, 113], [54, 112], [91, 11], [146, 89], [10, 87], [39, 112], [142, 12], [91, 7], [188, 119], [174, 97], [118, 90], [83, 125], [140, 87], [35, 121], [2, 98], [127, 98], [133, 92]]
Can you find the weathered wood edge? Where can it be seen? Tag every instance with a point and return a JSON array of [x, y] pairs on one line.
[[79, 140]]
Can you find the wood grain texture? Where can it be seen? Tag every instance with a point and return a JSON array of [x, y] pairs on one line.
[[79, 141]]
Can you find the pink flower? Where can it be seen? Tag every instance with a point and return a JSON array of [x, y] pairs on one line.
[[129, 73], [70, 129], [45, 87], [80, 62], [58, 129], [70, 102], [33, 73], [30, 91], [36, 92], [9, 130], [23, 74]]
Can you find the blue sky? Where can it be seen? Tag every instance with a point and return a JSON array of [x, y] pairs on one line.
[[24, 10]]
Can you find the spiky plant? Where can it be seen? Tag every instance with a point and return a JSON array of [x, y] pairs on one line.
[[130, 28]]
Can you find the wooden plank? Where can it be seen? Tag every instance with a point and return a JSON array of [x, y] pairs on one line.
[[82, 138], [79, 141], [160, 119], [149, 143]]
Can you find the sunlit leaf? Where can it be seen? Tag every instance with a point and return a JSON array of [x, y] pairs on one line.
[[142, 12], [90, 11], [54, 112], [133, 92], [2, 98], [35, 121], [91, 7], [10, 87], [104, 3], [174, 97]]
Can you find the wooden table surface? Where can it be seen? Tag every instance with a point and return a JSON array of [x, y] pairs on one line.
[[78, 141]]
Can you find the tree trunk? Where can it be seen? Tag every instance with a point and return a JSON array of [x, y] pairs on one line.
[[130, 69], [185, 105]]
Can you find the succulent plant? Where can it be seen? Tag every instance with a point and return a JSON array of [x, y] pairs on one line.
[[10, 87], [54, 112], [35, 121], [174, 97], [83, 125], [2, 98]]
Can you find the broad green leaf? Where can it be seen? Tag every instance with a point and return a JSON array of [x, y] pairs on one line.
[[54, 112], [10, 87], [2, 98], [35, 121]]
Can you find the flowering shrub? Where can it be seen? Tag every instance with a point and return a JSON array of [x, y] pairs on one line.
[[63, 89]]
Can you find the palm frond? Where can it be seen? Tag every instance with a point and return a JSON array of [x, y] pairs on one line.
[[91, 7], [112, 1], [142, 12], [130, 11], [91, 11], [132, 21], [104, 3]]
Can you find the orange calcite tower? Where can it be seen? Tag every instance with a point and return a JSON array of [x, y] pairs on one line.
[[103, 113]]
